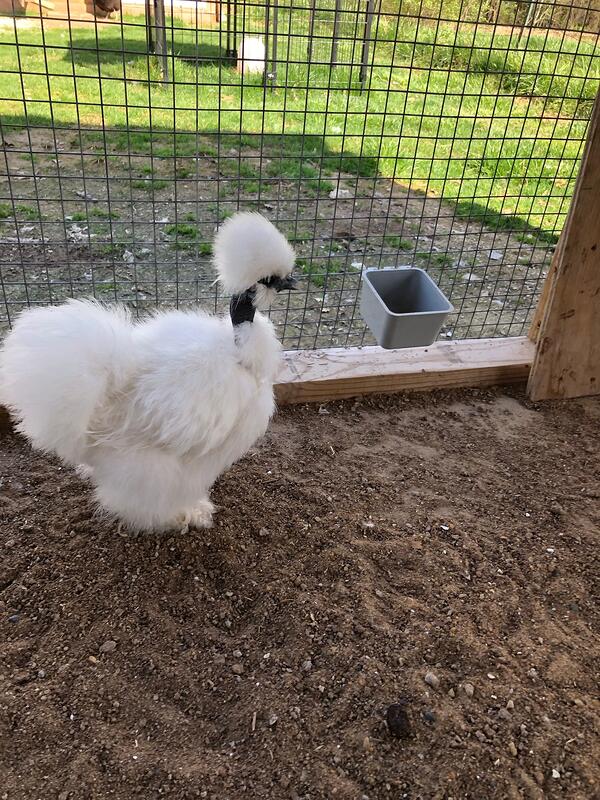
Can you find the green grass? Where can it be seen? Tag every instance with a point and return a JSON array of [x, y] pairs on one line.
[[183, 230], [100, 213], [186, 236], [28, 212], [494, 127], [150, 184], [397, 242], [306, 268], [22, 212]]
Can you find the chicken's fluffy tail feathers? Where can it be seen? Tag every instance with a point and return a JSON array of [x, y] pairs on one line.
[[56, 367], [248, 247]]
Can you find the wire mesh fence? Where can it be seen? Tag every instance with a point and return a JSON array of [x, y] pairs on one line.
[[374, 134]]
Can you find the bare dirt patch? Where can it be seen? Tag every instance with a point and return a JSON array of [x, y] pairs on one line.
[[361, 547]]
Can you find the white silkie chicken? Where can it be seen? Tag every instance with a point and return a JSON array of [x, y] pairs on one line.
[[153, 412]]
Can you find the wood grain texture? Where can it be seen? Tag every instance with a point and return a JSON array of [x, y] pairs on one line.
[[320, 375], [567, 360]]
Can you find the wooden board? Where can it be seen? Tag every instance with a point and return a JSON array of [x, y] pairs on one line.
[[567, 361], [319, 375]]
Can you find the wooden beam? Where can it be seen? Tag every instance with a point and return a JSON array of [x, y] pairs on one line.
[[319, 375], [567, 360]]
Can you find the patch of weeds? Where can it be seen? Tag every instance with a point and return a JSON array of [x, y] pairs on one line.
[[221, 213], [295, 170], [397, 242], [250, 187], [110, 250], [28, 212], [106, 287], [78, 216], [205, 249], [100, 213], [183, 172], [150, 184], [5, 211], [443, 260], [528, 238], [209, 151], [437, 259], [182, 230], [317, 279]]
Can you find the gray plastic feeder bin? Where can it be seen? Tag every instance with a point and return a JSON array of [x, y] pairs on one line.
[[403, 307]]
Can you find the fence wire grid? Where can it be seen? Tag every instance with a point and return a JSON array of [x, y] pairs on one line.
[[374, 134]]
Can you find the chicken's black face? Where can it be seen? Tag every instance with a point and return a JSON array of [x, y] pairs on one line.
[[259, 298], [279, 284], [267, 289]]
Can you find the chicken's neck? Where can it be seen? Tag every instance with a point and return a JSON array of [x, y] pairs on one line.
[[241, 307]]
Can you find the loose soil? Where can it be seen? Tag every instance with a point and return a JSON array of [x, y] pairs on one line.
[[362, 546]]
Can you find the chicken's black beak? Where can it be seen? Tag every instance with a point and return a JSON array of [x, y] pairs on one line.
[[287, 284]]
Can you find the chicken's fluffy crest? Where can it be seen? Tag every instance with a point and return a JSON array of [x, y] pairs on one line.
[[247, 248]]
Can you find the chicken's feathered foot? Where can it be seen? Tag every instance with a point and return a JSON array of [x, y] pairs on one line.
[[199, 517]]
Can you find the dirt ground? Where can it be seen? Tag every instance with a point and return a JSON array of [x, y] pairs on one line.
[[432, 551]]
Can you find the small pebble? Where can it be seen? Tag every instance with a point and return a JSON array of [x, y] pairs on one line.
[[272, 719], [219, 659], [14, 618], [512, 749], [468, 689], [504, 714], [431, 679], [237, 654], [108, 647], [307, 665], [398, 721], [510, 705], [555, 774], [429, 716], [41, 673], [533, 673], [238, 669], [481, 736], [451, 693]]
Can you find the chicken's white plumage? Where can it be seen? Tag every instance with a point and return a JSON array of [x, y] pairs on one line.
[[154, 411]]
